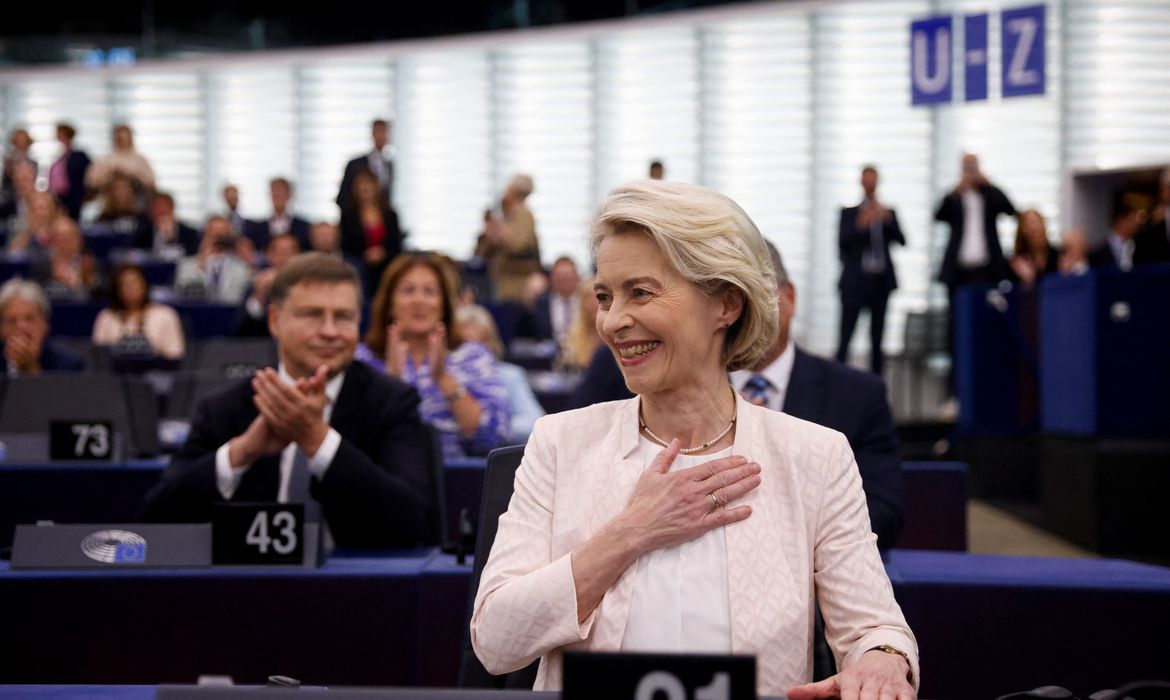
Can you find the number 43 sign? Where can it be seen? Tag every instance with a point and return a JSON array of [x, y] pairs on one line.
[[1022, 56]]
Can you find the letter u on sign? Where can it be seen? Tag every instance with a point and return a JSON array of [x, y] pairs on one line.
[[930, 61]]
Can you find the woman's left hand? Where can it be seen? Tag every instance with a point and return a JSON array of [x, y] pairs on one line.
[[876, 676]]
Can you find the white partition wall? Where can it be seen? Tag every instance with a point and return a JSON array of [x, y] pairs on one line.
[[777, 104]]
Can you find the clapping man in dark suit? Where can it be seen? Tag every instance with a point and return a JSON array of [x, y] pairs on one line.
[[838, 397], [282, 221], [319, 429], [864, 236], [374, 161], [24, 329]]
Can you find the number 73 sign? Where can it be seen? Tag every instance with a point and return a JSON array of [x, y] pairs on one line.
[[932, 56]]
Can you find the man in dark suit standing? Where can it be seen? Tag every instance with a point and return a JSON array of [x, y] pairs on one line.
[[24, 330], [864, 236], [282, 221], [973, 253], [320, 429], [374, 161], [167, 238], [1119, 251], [1152, 244], [67, 174], [830, 394]]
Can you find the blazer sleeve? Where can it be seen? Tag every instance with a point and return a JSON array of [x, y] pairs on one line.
[[852, 587], [946, 208], [893, 230], [846, 228], [526, 605], [379, 495]]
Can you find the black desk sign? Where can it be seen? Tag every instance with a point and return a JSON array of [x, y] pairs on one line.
[[259, 533], [659, 677], [81, 440]]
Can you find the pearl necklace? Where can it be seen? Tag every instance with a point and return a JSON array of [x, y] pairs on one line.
[[686, 450]]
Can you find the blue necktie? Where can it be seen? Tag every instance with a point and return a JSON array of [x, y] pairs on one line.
[[756, 388]]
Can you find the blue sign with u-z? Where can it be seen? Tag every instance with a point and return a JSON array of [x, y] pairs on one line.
[[931, 44], [1023, 51]]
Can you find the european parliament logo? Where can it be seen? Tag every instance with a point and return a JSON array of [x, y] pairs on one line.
[[115, 547]]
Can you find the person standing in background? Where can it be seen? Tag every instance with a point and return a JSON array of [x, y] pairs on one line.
[[513, 247], [864, 236], [67, 174], [375, 161]]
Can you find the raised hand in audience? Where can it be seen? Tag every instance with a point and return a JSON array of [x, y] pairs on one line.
[[294, 412], [23, 353], [396, 351]]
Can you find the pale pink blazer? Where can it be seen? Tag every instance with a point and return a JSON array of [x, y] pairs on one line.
[[808, 538]]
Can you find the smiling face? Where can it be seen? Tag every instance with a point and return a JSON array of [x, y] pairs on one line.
[[416, 304], [317, 324], [663, 331]]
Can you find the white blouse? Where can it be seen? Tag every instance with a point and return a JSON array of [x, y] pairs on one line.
[[680, 601], [160, 324]]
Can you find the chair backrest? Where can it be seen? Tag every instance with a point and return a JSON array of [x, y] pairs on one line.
[[438, 533], [233, 358], [190, 387], [498, 481], [28, 404]]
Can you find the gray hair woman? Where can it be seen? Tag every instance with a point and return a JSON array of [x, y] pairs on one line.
[[686, 519]]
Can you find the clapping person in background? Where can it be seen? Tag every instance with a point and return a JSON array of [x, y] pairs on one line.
[[1074, 253], [413, 337], [513, 249], [1033, 256], [582, 340], [14, 212], [283, 220], [216, 273], [123, 160], [67, 271], [167, 238], [24, 330], [121, 209], [33, 235], [17, 153], [369, 227], [280, 251], [1118, 251], [135, 324], [474, 323]]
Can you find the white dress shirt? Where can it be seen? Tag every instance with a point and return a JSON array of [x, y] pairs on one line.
[[1122, 251], [227, 479], [680, 601], [561, 312], [973, 247], [778, 373]]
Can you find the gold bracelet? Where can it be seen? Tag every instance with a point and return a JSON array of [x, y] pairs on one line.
[[886, 648]]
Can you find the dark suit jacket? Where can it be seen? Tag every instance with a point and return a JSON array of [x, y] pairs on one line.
[[537, 322], [76, 165], [853, 242], [352, 168], [353, 235], [377, 492], [603, 381], [261, 232], [1102, 257], [1152, 245], [186, 237], [950, 211], [53, 359], [854, 403]]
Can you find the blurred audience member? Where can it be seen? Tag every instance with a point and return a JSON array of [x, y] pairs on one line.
[[14, 212], [1117, 252], [369, 227], [375, 162], [657, 171], [24, 330], [476, 324], [121, 209], [124, 161], [67, 174], [216, 272], [254, 321], [68, 271], [325, 237], [513, 248], [1153, 242], [582, 339], [282, 220], [553, 311], [167, 238], [231, 200], [32, 235], [1074, 253], [19, 144], [413, 337], [864, 236], [1032, 257], [133, 323]]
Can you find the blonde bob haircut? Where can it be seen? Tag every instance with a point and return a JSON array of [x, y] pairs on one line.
[[712, 243]]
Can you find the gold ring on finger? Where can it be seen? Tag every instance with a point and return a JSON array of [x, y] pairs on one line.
[[715, 500]]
